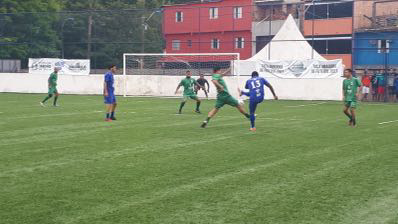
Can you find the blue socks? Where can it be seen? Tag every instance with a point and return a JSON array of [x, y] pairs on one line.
[[252, 119], [112, 114]]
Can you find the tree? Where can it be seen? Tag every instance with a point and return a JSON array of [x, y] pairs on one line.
[[29, 29]]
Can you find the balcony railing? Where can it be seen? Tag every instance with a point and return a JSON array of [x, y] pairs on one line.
[[380, 23]]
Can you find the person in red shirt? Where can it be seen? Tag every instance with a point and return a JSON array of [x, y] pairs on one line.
[[366, 86]]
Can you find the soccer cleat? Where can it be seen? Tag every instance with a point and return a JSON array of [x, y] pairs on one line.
[[197, 111], [42, 104], [179, 112], [113, 118], [56, 105], [253, 129], [204, 124]]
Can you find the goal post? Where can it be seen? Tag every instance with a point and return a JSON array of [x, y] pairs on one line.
[[156, 74]]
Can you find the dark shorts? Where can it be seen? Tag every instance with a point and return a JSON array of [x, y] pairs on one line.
[[199, 88], [110, 99], [374, 89], [391, 90]]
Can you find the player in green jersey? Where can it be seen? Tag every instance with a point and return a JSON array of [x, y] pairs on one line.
[[223, 96], [351, 90], [52, 87], [189, 83]]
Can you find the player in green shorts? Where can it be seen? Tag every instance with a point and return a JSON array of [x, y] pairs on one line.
[[351, 90], [223, 97], [52, 87], [189, 83]]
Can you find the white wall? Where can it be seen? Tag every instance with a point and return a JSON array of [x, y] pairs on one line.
[[292, 89]]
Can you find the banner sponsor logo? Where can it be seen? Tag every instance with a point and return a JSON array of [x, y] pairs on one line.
[[293, 68], [68, 66]]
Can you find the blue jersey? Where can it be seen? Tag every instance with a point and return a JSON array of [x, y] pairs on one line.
[[109, 82], [256, 88]]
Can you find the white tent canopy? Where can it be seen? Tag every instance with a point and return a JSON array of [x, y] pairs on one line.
[[288, 44], [289, 55]]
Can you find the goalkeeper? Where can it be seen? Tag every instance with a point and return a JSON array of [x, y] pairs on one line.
[[202, 82]]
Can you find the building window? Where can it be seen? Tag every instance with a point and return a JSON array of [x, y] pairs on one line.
[[176, 44], [331, 45], [329, 10], [213, 13], [189, 43], [179, 17], [215, 43], [237, 12], [239, 42], [383, 46]]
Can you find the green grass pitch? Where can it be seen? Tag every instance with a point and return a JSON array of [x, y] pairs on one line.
[[303, 165]]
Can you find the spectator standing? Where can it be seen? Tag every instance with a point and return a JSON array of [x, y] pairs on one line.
[[390, 85], [396, 87], [366, 86], [374, 86], [381, 86]]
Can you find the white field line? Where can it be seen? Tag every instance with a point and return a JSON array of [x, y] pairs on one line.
[[205, 181], [387, 122], [304, 105]]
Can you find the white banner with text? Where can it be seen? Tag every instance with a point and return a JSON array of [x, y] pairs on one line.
[[68, 66]]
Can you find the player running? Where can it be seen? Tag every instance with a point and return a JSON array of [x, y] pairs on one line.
[[223, 97], [256, 93], [52, 87], [109, 94], [203, 82], [351, 89], [188, 83]]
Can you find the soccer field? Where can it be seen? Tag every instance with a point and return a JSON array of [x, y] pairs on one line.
[[303, 165]]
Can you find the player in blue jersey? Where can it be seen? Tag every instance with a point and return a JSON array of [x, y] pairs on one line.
[[256, 93], [109, 94]]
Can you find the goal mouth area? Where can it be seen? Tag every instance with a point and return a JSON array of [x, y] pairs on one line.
[[151, 65]]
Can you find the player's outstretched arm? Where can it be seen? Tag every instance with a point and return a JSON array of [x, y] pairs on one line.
[[272, 90], [343, 93], [226, 71], [105, 89], [178, 87], [208, 85]]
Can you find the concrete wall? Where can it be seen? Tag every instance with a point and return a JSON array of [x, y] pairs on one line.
[[293, 89]]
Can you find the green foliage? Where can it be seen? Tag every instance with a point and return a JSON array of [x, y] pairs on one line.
[[26, 32], [41, 28]]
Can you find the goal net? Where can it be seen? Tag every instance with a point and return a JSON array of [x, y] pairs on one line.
[[159, 74]]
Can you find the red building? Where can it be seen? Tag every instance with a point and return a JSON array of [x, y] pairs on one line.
[[246, 26], [222, 26]]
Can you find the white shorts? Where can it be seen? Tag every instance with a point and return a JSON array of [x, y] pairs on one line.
[[365, 89]]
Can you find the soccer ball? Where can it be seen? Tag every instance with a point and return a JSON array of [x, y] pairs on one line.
[[241, 102]]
